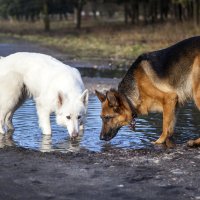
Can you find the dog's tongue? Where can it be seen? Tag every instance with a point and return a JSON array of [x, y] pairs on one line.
[[132, 124]]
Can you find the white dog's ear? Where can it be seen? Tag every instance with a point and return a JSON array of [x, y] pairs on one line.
[[84, 97], [60, 99]]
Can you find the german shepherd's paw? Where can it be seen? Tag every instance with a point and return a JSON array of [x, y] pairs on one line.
[[167, 143], [191, 143], [170, 144], [194, 143], [159, 141]]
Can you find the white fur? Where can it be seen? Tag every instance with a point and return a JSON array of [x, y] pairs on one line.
[[54, 86]]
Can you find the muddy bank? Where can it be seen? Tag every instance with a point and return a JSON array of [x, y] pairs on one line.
[[114, 174], [100, 83], [11, 45]]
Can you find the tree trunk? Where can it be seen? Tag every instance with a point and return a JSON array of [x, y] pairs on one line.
[[190, 10], [145, 6], [153, 10], [136, 11], [196, 14], [134, 14], [94, 9], [161, 6], [126, 13], [78, 17], [46, 16], [180, 12], [79, 9]]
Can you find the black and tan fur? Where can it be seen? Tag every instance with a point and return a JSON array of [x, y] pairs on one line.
[[159, 81]]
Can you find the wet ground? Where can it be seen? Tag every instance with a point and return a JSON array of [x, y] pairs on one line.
[[105, 170]]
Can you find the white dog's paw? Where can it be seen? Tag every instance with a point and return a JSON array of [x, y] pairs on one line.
[[2, 131]]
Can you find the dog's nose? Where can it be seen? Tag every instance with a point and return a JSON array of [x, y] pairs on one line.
[[102, 137], [74, 136]]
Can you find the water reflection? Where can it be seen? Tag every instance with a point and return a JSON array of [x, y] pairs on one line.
[[62, 146], [148, 128]]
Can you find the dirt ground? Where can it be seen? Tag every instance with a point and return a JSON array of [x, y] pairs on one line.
[[159, 173], [114, 174]]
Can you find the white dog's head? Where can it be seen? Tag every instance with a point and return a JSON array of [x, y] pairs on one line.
[[71, 112]]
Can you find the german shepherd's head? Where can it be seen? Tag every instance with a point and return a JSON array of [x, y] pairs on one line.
[[115, 113]]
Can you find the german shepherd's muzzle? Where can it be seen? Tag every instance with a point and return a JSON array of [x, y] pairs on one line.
[[115, 114], [159, 81], [107, 132], [108, 135]]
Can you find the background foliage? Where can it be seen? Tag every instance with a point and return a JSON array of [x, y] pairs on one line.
[[133, 11]]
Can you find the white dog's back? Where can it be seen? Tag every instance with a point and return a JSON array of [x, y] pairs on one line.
[[42, 70]]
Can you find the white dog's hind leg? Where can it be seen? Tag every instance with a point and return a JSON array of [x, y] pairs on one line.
[[44, 120], [19, 97], [12, 95], [2, 123], [1, 128], [8, 121]]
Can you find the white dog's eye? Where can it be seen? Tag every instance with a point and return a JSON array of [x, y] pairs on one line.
[[79, 117], [68, 117]]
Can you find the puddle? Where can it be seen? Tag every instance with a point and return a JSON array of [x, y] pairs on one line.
[[27, 133]]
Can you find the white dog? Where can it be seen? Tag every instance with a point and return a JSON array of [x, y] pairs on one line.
[[54, 86]]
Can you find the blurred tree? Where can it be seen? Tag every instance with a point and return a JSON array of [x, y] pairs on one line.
[[135, 11], [20, 9], [196, 11], [131, 10], [46, 15], [78, 11], [164, 9], [94, 7], [4, 6]]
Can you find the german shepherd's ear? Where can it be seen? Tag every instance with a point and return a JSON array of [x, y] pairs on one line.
[[113, 99], [101, 96]]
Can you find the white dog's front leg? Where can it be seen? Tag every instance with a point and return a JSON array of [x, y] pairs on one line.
[[2, 120], [1, 128], [44, 120]]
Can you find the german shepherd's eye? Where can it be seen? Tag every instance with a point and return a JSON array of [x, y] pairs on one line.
[[68, 117], [79, 117], [106, 118]]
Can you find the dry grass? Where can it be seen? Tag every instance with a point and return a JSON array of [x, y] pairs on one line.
[[117, 42]]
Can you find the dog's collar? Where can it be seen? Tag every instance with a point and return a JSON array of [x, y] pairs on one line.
[[134, 114], [133, 122], [132, 107]]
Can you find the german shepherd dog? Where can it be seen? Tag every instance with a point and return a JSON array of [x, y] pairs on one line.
[[159, 81]]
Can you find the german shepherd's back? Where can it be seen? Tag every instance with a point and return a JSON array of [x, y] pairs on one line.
[[174, 69], [157, 81]]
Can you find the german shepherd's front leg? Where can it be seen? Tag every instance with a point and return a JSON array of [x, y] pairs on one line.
[[169, 109]]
